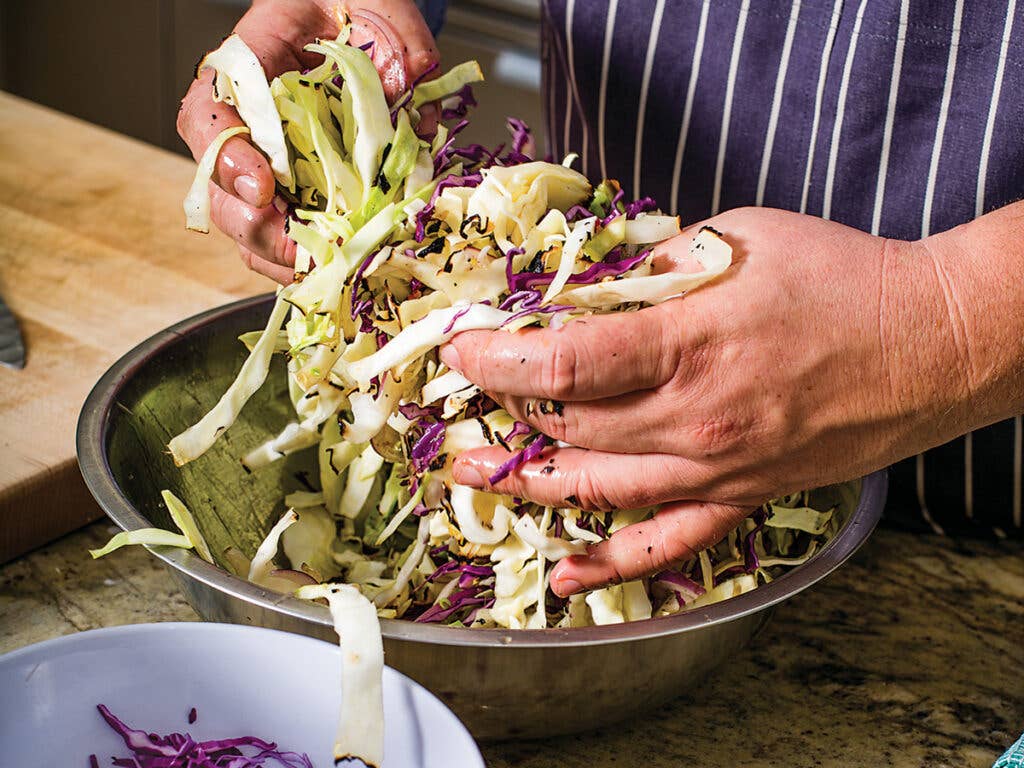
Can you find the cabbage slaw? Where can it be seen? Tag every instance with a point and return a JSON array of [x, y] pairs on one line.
[[401, 243]]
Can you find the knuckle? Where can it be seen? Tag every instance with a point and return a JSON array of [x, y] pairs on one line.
[[595, 494], [284, 250], [556, 420], [592, 494], [188, 117], [665, 344], [248, 258], [725, 517], [186, 113], [616, 574], [668, 543], [715, 435], [420, 61], [559, 371], [474, 359], [220, 212], [688, 363]]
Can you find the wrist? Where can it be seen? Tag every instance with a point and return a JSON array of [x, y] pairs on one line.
[[974, 273], [927, 346]]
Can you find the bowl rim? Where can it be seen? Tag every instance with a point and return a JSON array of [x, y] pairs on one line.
[[96, 634], [91, 438]]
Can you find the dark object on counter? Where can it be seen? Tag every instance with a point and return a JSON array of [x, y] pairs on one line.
[[12, 345]]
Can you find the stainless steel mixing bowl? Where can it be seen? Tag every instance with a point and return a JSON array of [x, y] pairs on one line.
[[501, 683]]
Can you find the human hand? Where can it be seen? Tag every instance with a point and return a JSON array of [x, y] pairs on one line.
[[815, 359], [242, 196]]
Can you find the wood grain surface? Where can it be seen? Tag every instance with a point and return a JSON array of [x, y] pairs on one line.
[[94, 258]]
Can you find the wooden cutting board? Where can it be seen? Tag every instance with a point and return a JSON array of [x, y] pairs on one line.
[[94, 258]]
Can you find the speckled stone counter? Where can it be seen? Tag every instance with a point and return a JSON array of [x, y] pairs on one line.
[[910, 655]]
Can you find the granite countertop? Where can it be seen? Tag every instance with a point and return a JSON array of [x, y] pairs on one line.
[[910, 655]]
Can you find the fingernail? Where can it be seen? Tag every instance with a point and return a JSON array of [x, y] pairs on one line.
[[467, 474], [247, 189], [450, 357], [566, 587]]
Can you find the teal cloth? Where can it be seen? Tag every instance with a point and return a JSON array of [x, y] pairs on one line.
[[1013, 757]]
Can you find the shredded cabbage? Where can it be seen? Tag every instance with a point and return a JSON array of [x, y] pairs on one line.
[[197, 201], [361, 724], [187, 524], [240, 81], [147, 536], [181, 750], [189, 537], [405, 243]]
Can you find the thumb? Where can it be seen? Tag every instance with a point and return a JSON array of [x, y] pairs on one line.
[[403, 49], [678, 531]]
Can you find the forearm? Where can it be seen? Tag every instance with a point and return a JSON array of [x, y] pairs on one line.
[[976, 275]]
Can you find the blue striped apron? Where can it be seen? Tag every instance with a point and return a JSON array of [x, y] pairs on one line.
[[899, 118]]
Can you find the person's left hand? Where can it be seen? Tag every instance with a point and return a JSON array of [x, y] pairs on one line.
[[801, 366], [242, 199]]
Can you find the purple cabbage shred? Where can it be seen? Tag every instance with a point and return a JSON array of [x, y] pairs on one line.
[[424, 215], [413, 412], [518, 430], [444, 154], [643, 205], [578, 213], [461, 104], [524, 281], [530, 452], [456, 601], [751, 561], [455, 318], [180, 750], [550, 309], [684, 583], [522, 150], [428, 446]]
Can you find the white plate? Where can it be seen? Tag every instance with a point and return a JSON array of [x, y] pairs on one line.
[[243, 681]]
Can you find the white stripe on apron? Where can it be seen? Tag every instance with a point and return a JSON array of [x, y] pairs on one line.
[[826, 56], [837, 128], [602, 99], [691, 89], [773, 120], [890, 116], [730, 90], [645, 85]]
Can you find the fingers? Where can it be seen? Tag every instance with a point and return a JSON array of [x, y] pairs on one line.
[[276, 272], [259, 230], [637, 422], [590, 358], [403, 48], [241, 169], [592, 480], [430, 118], [677, 532]]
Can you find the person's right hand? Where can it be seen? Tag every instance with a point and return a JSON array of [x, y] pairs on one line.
[[242, 195]]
